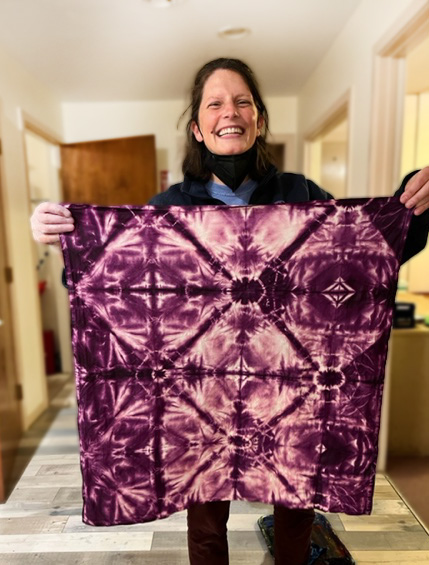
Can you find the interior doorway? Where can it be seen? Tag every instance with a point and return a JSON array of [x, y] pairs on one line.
[[326, 152], [43, 171], [415, 147]]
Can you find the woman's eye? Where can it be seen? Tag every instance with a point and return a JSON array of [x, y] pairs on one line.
[[243, 102], [214, 104]]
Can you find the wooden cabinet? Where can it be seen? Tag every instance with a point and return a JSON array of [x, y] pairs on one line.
[[408, 414]]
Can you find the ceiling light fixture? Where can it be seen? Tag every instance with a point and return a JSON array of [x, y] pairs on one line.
[[164, 3], [233, 32]]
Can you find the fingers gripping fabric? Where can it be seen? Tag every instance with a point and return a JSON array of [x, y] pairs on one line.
[[227, 353]]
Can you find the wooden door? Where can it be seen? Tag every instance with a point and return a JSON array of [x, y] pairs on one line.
[[109, 172], [10, 408]]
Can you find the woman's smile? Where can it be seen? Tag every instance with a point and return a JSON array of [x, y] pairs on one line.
[[231, 131]]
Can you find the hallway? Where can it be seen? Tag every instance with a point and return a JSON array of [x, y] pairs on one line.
[[41, 521]]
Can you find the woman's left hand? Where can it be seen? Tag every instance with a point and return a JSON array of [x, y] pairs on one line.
[[416, 193]]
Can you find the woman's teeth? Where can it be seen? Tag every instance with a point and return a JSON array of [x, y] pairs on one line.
[[227, 131]]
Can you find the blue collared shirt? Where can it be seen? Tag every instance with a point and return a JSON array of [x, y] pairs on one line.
[[226, 195]]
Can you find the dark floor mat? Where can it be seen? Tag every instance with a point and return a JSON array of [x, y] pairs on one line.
[[326, 547]]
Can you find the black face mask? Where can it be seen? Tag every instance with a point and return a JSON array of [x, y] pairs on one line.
[[231, 169]]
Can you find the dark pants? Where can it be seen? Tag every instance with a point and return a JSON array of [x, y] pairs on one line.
[[208, 545]]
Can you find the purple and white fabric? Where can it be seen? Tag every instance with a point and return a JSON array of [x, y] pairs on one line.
[[231, 353]]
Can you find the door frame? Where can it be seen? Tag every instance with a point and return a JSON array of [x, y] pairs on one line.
[[29, 124], [387, 99], [11, 364], [339, 111]]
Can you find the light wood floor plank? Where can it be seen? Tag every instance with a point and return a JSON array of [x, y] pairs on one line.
[[392, 507], [380, 523], [390, 558], [159, 557], [33, 494], [385, 541], [57, 480], [175, 523], [65, 469], [245, 541], [33, 525], [65, 543]]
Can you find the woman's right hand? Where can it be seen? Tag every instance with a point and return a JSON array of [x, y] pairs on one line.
[[49, 220]]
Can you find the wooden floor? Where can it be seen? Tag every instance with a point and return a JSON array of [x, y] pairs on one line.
[[41, 521]]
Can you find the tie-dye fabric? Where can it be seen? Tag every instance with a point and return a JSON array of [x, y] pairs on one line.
[[228, 353]]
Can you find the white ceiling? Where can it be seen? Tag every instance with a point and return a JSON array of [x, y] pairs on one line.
[[96, 50]]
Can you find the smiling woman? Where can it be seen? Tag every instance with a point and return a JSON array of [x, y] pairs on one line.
[[228, 125], [227, 162]]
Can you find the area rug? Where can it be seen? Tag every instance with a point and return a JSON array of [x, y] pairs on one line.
[[326, 547], [231, 353]]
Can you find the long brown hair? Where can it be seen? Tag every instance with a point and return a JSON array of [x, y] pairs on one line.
[[193, 162]]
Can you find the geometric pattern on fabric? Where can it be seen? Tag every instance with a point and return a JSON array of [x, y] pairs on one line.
[[231, 353]]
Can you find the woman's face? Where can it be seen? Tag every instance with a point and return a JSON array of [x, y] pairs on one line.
[[228, 118]]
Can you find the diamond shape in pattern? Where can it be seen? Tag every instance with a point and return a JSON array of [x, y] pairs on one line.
[[339, 291]]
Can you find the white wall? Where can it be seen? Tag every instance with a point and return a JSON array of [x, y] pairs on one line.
[[19, 90], [283, 113], [348, 65], [103, 120]]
